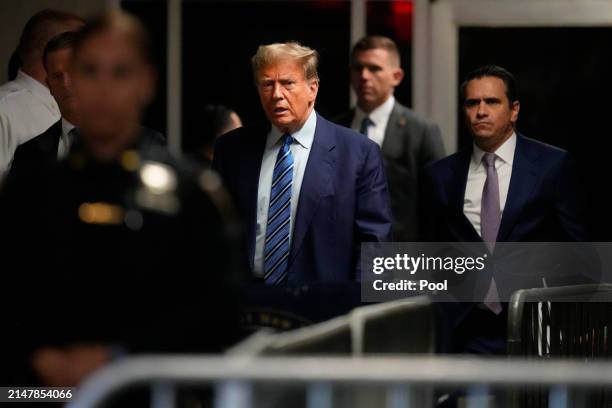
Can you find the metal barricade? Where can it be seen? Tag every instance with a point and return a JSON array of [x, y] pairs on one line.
[[234, 378]]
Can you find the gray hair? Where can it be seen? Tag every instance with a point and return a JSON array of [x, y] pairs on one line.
[[271, 53]]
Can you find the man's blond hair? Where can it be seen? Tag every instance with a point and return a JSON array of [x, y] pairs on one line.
[[271, 53]]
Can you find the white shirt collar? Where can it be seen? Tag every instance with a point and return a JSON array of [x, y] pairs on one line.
[[380, 115], [31, 84], [304, 136], [66, 127], [505, 152]]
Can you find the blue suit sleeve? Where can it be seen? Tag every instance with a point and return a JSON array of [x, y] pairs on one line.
[[373, 213], [569, 204]]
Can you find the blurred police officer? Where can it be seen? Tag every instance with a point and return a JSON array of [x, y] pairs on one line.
[[118, 248]]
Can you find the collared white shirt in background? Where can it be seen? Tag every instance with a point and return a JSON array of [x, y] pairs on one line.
[[66, 140], [300, 149], [27, 109], [477, 175], [380, 117]]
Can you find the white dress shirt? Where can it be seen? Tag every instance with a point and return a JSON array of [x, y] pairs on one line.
[[27, 109], [477, 175], [380, 118], [66, 140], [300, 149]]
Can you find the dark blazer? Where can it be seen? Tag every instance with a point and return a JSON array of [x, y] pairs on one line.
[[343, 199], [411, 142], [542, 205], [40, 152]]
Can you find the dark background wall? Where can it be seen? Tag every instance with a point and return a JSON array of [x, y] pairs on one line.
[[564, 73], [220, 37]]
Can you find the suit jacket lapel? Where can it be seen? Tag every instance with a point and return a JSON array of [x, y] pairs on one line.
[[456, 194], [49, 141], [522, 183], [392, 144], [251, 159], [316, 182]]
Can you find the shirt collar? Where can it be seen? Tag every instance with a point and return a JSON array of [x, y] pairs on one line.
[[304, 136], [505, 152], [32, 85], [66, 127], [379, 115]]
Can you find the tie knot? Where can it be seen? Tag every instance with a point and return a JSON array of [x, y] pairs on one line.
[[365, 124], [489, 159], [287, 139]]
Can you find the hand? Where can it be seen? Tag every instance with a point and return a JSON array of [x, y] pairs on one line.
[[68, 366]]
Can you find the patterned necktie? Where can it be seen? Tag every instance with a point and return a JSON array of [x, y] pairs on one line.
[[276, 249], [365, 125], [490, 218]]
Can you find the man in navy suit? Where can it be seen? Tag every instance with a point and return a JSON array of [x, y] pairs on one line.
[[503, 188], [309, 191]]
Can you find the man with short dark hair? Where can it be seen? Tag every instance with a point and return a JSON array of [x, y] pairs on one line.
[[55, 142], [504, 188], [407, 140], [27, 109]]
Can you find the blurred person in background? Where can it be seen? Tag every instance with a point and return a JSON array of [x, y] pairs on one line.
[[118, 248], [55, 142], [213, 121], [27, 108], [408, 141], [308, 191]]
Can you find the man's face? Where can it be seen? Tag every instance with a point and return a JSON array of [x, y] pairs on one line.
[[286, 96], [489, 114], [58, 80], [374, 75], [113, 84]]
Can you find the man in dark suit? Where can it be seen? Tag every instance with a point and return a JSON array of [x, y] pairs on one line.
[[408, 141], [56, 142], [308, 191], [46, 148], [503, 188]]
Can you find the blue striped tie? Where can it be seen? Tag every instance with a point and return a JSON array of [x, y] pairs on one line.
[[276, 249]]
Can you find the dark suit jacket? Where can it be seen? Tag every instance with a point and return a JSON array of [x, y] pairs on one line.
[[343, 199], [542, 205], [411, 142], [41, 151]]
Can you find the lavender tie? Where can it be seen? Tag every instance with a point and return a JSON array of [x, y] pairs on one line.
[[490, 218]]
